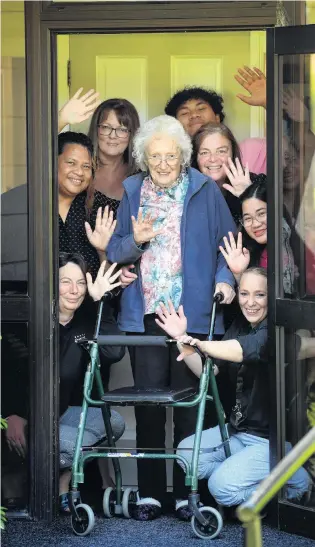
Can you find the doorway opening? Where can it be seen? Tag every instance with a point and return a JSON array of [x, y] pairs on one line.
[[147, 69]]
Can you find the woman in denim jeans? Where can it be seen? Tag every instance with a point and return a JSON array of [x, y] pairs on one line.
[[244, 350]]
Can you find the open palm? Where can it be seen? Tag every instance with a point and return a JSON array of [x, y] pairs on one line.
[[105, 281], [104, 229], [173, 322], [294, 106], [254, 81], [238, 176], [78, 109], [143, 230], [236, 256]]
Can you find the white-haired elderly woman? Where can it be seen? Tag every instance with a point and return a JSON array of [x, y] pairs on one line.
[[171, 222]]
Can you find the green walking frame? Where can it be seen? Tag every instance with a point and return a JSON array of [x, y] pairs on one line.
[[206, 521]]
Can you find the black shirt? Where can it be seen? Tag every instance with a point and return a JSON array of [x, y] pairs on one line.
[[251, 410], [73, 358], [72, 235]]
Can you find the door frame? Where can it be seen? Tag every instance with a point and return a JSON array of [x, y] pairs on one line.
[[282, 313], [43, 21]]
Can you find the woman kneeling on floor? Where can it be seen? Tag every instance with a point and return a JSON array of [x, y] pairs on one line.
[[77, 316], [244, 347], [78, 304]]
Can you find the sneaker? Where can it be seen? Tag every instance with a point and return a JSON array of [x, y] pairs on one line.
[[182, 510], [303, 499], [146, 509], [64, 504]]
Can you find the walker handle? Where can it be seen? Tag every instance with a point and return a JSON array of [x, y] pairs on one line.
[[122, 340], [218, 298]]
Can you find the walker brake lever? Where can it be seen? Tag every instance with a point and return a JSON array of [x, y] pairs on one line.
[[197, 350], [82, 340]]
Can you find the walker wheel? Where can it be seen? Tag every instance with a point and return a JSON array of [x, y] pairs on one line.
[[109, 500], [84, 522], [213, 527], [129, 497]]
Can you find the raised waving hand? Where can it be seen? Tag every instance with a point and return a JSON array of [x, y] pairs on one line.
[[143, 230], [238, 176], [254, 81], [104, 229], [78, 109], [173, 322], [294, 106], [236, 256], [105, 281]]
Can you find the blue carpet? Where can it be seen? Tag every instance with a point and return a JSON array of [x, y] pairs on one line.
[[164, 532]]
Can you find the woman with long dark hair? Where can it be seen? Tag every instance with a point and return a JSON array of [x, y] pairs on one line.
[[113, 126], [250, 248]]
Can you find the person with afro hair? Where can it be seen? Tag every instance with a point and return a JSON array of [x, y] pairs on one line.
[[194, 107]]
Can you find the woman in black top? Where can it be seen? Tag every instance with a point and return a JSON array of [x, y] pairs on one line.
[[86, 222], [244, 350], [77, 316]]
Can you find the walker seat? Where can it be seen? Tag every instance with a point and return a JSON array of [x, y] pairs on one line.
[[130, 396]]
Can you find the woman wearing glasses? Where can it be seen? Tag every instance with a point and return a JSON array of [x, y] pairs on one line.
[[250, 249], [217, 155], [170, 224], [112, 128]]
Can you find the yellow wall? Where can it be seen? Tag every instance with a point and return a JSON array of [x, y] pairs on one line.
[[310, 12], [233, 47], [63, 51], [13, 96], [12, 29]]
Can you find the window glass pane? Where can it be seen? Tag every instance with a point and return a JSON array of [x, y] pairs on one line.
[[300, 408], [15, 408], [14, 244], [297, 174]]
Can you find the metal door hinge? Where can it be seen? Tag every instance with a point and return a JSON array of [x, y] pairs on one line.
[[69, 73], [53, 313]]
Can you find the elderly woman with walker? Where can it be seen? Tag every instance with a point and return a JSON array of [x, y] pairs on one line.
[[170, 225]]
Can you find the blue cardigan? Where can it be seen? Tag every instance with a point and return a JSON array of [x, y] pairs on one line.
[[206, 219]]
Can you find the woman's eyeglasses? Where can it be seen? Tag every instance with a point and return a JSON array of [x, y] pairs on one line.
[[156, 159], [120, 132], [248, 220]]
